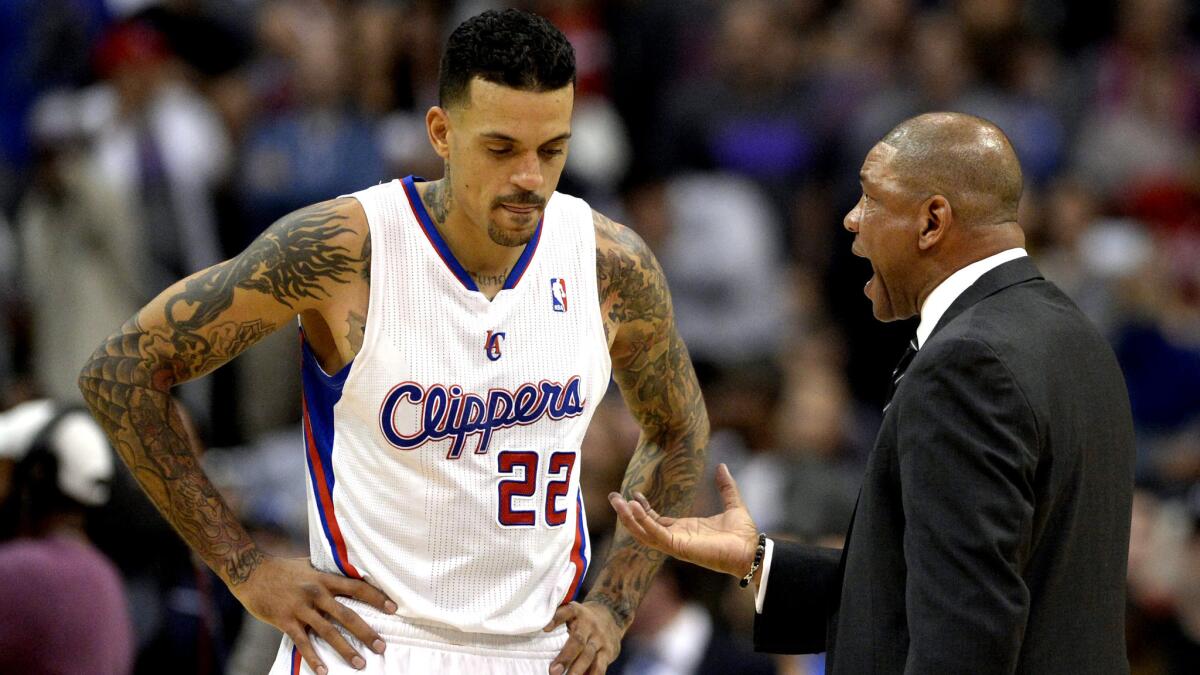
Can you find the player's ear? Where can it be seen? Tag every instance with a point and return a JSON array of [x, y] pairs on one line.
[[437, 124]]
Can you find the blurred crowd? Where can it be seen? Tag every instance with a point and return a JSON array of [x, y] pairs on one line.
[[141, 140]]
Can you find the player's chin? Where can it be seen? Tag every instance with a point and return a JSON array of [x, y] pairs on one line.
[[508, 235], [514, 229]]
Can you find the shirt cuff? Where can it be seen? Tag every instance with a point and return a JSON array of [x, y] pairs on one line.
[[761, 595]]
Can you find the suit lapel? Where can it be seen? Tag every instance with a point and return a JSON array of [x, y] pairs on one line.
[[995, 280]]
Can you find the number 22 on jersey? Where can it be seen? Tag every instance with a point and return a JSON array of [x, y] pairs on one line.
[[522, 466]]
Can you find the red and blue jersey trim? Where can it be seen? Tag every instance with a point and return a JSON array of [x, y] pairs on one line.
[[295, 661], [579, 552], [320, 393], [522, 264], [443, 249]]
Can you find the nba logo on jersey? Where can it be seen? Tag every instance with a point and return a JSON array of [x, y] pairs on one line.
[[491, 345], [558, 294]]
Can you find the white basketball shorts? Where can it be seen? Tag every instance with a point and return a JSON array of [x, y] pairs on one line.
[[414, 649]]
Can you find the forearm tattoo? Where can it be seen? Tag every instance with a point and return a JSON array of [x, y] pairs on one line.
[[126, 382], [652, 367]]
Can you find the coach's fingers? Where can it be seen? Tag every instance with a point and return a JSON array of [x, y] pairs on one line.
[[653, 531], [728, 488], [665, 521], [359, 590], [352, 622], [299, 637], [324, 628], [625, 515]]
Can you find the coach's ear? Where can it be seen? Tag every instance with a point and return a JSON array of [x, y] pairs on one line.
[[937, 217], [437, 124]]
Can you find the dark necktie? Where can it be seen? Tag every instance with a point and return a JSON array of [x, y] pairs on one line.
[[898, 373]]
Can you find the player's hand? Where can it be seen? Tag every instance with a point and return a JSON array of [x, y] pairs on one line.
[[295, 598], [725, 542], [594, 642]]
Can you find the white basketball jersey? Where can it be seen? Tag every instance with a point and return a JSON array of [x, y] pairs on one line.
[[444, 460]]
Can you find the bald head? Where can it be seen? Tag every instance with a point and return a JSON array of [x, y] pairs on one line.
[[964, 158]]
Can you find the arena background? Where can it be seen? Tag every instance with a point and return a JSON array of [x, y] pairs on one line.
[[728, 134]]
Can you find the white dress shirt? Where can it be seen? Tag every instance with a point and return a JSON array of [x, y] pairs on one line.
[[935, 305], [947, 292]]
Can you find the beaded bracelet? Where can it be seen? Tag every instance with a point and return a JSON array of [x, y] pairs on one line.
[[758, 558]]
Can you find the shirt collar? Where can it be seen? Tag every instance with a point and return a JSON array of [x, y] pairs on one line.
[[944, 295]]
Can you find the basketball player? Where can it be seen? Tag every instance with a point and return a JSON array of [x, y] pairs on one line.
[[457, 336]]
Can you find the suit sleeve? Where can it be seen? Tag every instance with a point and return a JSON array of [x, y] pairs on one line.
[[967, 453], [802, 593]]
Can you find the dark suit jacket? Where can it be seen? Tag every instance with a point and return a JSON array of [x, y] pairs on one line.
[[992, 529]]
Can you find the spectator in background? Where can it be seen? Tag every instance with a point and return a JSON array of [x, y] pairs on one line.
[[154, 155], [717, 239], [1187, 654], [10, 309], [316, 143], [751, 115], [1142, 125], [1158, 347], [1164, 584], [64, 607], [1085, 255], [406, 48], [163, 150], [673, 634], [43, 44], [822, 448], [803, 456], [600, 145], [77, 234]]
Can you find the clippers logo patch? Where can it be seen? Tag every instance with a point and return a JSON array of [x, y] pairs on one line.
[[491, 345], [558, 294], [412, 415]]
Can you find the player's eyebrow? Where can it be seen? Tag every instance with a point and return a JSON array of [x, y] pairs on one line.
[[497, 136]]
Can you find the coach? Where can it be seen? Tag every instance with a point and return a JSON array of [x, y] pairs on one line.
[[991, 532]]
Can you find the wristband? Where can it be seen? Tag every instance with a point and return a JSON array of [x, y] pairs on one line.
[[758, 558]]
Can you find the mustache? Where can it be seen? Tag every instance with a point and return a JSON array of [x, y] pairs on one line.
[[519, 199]]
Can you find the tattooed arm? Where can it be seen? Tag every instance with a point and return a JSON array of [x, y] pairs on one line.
[[306, 263], [654, 372]]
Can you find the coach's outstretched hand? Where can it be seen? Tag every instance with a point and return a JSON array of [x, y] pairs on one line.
[[295, 598], [724, 542]]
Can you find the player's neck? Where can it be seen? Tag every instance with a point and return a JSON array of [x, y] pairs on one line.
[[487, 262]]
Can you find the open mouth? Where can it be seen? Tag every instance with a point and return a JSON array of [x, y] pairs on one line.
[[870, 281]]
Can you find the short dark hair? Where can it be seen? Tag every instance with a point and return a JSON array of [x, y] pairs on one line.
[[510, 47]]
